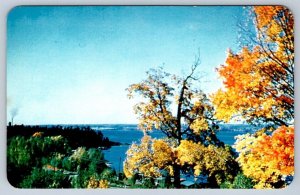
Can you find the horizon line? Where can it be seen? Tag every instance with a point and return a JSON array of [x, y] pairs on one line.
[[93, 124]]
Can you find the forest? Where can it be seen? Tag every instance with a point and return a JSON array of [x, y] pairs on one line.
[[258, 88]]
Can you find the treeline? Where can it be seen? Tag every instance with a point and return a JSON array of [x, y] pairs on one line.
[[77, 136]]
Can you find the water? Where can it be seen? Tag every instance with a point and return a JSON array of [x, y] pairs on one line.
[[127, 134]]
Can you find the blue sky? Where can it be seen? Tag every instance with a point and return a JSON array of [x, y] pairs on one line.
[[71, 65]]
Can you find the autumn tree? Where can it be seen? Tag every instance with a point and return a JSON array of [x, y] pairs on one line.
[[259, 80], [267, 159], [174, 106], [149, 158], [259, 88]]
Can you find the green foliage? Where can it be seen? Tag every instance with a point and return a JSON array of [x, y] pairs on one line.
[[240, 182], [40, 178], [108, 174], [25, 154], [40, 161], [80, 180], [226, 185], [96, 159], [148, 183], [18, 152], [131, 181], [87, 163]]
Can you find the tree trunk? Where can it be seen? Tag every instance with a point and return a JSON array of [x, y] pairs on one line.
[[176, 176]]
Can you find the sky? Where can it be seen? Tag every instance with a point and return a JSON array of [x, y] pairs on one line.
[[72, 64]]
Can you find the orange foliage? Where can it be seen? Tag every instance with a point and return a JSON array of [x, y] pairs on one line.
[[259, 81], [278, 149], [37, 134], [259, 87], [266, 158]]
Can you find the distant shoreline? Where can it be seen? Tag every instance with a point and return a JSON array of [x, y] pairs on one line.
[[78, 136], [106, 124]]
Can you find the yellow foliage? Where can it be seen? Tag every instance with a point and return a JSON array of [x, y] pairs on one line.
[[199, 125], [57, 138], [162, 153], [78, 154], [211, 158], [94, 183], [265, 158], [152, 156], [142, 159], [103, 183]]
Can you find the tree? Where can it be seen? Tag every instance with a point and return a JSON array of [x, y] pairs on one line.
[[267, 158], [259, 87], [156, 157], [149, 158], [259, 80], [174, 106]]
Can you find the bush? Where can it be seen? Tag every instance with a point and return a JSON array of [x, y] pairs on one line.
[[226, 185], [242, 182], [108, 174], [148, 183]]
